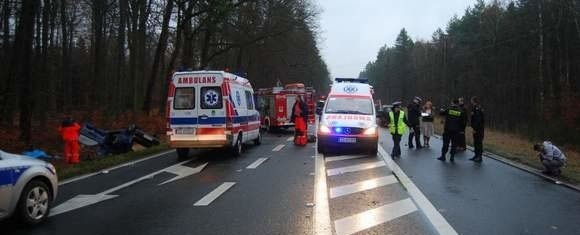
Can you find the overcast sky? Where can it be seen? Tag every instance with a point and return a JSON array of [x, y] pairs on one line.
[[352, 31]]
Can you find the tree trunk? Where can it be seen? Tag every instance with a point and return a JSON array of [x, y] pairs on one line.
[[160, 52], [24, 39], [121, 80]]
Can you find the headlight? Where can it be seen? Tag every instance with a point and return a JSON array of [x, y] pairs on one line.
[[324, 129], [370, 131]]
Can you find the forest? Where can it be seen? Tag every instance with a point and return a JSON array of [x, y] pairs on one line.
[[520, 57], [59, 57]]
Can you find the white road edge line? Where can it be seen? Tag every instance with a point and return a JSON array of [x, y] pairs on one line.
[[355, 168], [437, 220], [368, 219], [321, 209], [112, 168], [362, 186], [257, 163], [210, 197], [340, 158], [278, 148]]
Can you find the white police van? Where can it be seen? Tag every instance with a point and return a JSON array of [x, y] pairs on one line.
[[211, 109], [348, 119]]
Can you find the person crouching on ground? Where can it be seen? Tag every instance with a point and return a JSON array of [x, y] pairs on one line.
[[551, 157], [69, 131]]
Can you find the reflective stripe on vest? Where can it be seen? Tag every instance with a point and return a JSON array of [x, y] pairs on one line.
[[401, 127]]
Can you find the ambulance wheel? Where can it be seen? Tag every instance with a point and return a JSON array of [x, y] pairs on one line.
[[182, 153], [238, 148], [258, 140], [373, 151], [320, 149], [34, 203]]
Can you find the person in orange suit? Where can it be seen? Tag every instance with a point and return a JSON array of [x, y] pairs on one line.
[[299, 117], [69, 131]]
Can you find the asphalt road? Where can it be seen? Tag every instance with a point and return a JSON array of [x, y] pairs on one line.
[[490, 197], [279, 188]]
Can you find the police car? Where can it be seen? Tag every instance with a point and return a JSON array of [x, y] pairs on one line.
[[348, 118], [27, 188]]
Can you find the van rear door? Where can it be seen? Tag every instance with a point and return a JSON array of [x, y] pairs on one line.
[[211, 111], [183, 115]]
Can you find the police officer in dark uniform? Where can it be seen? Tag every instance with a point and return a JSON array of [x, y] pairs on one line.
[[414, 123], [455, 119], [461, 142], [478, 125]]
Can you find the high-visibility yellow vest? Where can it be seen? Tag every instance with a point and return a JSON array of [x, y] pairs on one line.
[[401, 127]]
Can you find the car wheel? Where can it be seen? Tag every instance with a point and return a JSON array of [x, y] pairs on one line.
[[182, 153], [34, 203], [258, 140], [238, 147]]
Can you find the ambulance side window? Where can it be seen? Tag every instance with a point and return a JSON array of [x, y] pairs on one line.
[[184, 98], [211, 97], [249, 100]]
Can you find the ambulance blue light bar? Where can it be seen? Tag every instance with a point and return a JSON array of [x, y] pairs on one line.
[[352, 80]]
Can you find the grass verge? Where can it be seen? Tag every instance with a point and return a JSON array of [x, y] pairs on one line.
[[518, 149], [89, 166]]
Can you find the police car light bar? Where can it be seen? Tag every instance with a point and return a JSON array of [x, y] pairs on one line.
[[353, 80]]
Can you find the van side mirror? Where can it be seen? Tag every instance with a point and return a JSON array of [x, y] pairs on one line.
[[318, 111]]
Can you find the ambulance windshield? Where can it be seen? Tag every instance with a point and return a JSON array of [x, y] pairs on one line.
[[349, 105]]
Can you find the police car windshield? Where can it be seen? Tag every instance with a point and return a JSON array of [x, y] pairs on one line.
[[349, 105]]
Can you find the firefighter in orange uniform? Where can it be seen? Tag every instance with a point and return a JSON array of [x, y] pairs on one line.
[[299, 117], [69, 131]]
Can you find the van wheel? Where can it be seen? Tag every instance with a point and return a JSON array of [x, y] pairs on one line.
[[373, 151], [258, 140], [34, 203], [182, 153], [320, 149], [238, 147]]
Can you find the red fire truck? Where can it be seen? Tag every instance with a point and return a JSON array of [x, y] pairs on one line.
[[275, 106]]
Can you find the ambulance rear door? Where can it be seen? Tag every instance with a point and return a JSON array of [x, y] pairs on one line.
[[183, 107]]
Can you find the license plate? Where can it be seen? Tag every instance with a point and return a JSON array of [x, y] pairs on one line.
[[185, 131], [347, 140]]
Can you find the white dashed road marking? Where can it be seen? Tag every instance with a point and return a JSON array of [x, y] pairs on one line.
[[278, 148], [358, 222], [257, 163], [355, 168], [210, 197], [362, 186]]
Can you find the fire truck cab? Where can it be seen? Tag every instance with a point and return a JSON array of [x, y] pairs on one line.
[[275, 106]]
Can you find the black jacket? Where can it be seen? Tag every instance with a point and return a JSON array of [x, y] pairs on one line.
[[477, 118], [304, 111], [414, 114], [455, 119]]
